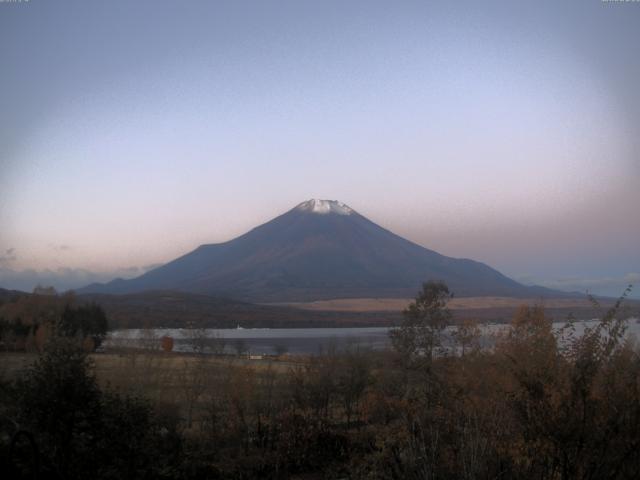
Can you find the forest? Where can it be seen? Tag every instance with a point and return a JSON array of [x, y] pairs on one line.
[[537, 404]]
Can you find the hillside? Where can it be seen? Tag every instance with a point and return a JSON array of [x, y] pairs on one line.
[[321, 249], [180, 310]]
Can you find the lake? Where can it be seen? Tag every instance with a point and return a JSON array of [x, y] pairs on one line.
[[265, 341]]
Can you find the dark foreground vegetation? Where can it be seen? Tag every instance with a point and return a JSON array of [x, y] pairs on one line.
[[532, 407]]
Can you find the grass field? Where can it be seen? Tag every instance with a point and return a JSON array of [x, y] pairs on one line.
[[183, 380], [398, 304]]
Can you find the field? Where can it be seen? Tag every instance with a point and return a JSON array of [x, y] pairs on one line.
[[398, 304], [482, 309], [186, 382], [355, 414]]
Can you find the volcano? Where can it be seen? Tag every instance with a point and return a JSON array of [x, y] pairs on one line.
[[321, 249]]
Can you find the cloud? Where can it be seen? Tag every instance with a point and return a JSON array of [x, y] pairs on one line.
[[151, 266], [633, 278], [8, 257], [63, 278], [609, 285], [59, 247]]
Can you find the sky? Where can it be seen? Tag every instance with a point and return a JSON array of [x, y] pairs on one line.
[[506, 132]]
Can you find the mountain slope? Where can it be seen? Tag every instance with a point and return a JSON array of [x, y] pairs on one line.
[[320, 249]]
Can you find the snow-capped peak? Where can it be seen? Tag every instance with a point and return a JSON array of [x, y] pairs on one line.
[[323, 207]]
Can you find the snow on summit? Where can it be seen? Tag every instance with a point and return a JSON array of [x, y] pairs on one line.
[[323, 207]]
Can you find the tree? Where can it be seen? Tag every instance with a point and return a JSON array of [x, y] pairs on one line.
[[197, 338], [530, 343], [60, 402], [354, 374], [240, 347], [280, 349], [84, 432], [420, 334], [43, 334], [86, 321], [468, 335], [217, 343], [167, 343], [41, 290]]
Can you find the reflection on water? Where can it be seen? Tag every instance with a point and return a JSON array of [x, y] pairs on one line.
[[268, 341], [257, 341]]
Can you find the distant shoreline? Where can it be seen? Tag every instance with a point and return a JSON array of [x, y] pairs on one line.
[[463, 303]]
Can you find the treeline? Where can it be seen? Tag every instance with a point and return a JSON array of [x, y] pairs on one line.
[[536, 405], [165, 309], [27, 322]]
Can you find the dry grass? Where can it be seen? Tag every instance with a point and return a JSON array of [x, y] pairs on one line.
[[183, 383], [11, 363], [398, 304]]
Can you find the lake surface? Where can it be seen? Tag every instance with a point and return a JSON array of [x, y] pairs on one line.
[[262, 341], [267, 341]]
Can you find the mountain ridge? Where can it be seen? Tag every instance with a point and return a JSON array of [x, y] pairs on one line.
[[320, 249]]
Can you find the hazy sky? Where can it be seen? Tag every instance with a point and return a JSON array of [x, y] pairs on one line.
[[506, 132]]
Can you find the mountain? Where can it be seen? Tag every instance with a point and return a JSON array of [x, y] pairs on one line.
[[320, 249], [10, 295]]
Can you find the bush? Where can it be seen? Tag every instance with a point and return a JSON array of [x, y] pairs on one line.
[[83, 432]]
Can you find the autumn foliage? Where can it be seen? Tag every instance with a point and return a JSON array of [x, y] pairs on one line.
[[533, 403], [27, 322], [166, 343]]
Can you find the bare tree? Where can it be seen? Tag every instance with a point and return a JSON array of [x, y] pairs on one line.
[[353, 377], [194, 372], [420, 334], [217, 343], [280, 349], [467, 335], [240, 347]]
